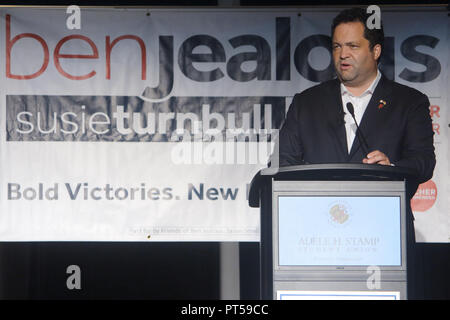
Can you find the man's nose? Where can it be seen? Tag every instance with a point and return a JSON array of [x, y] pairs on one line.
[[344, 54]]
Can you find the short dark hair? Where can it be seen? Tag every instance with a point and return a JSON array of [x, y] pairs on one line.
[[375, 36]]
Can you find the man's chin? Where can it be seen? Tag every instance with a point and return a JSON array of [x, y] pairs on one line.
[[346, 80]]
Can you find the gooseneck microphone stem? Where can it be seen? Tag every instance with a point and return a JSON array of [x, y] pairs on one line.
[[359, 133]]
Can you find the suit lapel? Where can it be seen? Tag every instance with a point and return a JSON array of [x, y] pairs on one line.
[[334, 111], [373, 116]]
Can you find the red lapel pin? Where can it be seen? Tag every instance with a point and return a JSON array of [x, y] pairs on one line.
[[382, 104]]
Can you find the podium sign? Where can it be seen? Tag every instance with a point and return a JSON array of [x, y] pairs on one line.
[[339, 230], [334, 232]]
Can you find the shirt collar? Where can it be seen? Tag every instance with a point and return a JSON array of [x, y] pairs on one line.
[[369, 90]]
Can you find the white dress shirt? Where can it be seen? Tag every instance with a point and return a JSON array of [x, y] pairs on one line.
[[359, 104]]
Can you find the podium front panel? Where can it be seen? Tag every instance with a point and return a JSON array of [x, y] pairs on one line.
[[334, 231]]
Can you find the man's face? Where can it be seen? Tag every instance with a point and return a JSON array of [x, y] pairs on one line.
[[355, 63]]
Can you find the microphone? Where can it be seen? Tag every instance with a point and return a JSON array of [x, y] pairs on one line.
[[359, 134]]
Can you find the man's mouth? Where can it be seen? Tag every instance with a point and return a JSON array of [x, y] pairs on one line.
[[345, 66]]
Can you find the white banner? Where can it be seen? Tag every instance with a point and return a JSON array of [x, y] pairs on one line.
[[138, 125]]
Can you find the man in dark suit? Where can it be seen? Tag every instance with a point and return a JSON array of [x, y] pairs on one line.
[[395, 123]]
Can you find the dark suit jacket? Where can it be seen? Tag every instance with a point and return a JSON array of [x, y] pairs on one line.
[[314, 130]]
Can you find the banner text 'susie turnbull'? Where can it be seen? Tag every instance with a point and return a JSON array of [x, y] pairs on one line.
[[125, 122]]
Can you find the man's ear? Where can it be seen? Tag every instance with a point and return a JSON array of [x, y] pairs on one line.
[[376, 51]]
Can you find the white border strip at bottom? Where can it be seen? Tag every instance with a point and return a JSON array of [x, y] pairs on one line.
[[337, 295]]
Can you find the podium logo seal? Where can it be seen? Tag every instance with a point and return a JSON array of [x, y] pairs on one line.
[[339, 213]]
